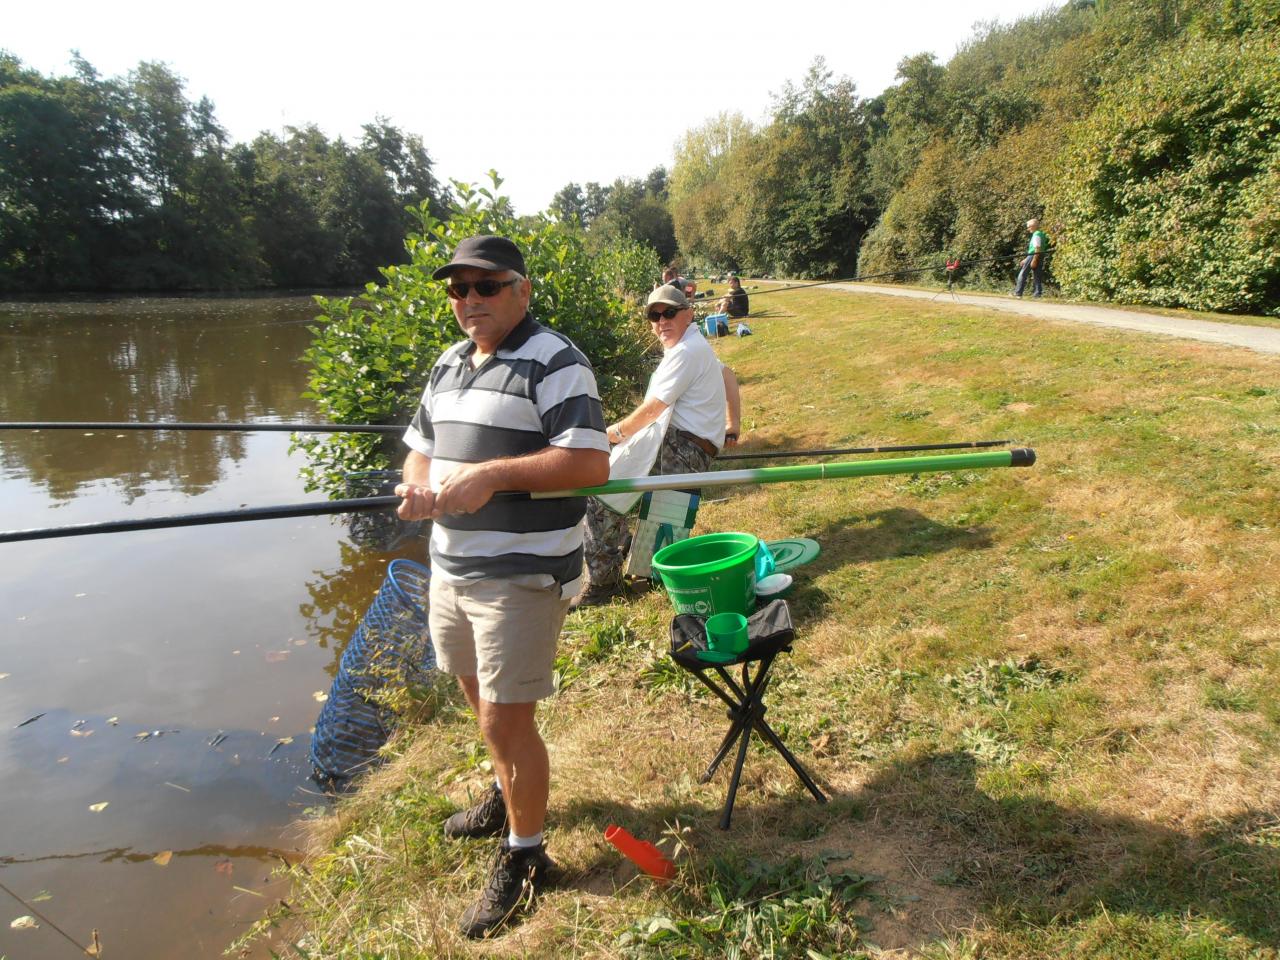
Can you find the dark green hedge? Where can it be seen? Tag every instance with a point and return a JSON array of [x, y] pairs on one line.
[[1169, 194]]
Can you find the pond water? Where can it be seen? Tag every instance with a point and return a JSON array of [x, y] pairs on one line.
[[168, 669]]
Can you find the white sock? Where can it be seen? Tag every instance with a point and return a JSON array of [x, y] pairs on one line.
[[514, 841]]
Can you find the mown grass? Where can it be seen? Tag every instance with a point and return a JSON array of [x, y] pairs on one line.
[[1044, 702]]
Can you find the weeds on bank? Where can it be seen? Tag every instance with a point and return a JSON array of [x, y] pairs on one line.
[[1044, 702], [754, 908]]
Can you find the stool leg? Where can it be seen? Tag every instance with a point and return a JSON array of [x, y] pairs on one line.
[[725, 746], [737, 776], [736, 715], [766, 731]]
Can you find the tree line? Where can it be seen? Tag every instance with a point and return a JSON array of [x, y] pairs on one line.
[[1142, 133], [125, 184]]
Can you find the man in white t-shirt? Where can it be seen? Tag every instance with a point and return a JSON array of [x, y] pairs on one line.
[[691, 382]]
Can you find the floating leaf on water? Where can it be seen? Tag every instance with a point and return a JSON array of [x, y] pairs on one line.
[[114, 721], [217, 738], [299, 643], [79, 595], [177, 786], [152, 734], [99, 807], [283, 741], [5, 676], [29, 720], [24, 923], [235, 653], [275, 720], [224, 866], [320, 696], [94, 949], [63, 759], [162, 858], [42, 896], [246, 890], [82, 733]]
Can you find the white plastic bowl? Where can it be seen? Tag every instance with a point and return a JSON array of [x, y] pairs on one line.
[[773, 585]]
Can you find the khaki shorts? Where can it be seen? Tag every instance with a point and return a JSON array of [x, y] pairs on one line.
[[503, 632]]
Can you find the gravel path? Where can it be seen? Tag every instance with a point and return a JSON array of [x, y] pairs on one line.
[[1262, 339]]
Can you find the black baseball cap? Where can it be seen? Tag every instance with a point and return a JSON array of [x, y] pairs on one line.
[[487, 253]]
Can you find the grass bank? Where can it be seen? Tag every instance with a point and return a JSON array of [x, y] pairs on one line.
[[1044, 701]]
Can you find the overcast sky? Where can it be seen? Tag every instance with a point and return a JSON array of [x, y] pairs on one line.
[[545, 93]]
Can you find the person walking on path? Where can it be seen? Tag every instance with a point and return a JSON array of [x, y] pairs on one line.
[[691, 382], [1037, 247], [514, 407]]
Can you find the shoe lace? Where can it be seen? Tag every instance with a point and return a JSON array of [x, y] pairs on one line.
[[502, 877], [484, 811]]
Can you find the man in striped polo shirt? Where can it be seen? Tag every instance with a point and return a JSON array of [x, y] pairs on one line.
[[514, 407]]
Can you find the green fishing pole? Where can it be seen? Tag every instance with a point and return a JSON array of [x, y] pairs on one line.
[[1019, 457]]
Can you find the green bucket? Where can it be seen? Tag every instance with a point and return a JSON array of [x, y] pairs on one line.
[[714, 573]]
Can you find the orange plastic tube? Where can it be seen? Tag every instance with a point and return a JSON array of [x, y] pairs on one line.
[[641, 852]]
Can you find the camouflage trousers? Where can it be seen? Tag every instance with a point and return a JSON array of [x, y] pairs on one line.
[[607, 541]]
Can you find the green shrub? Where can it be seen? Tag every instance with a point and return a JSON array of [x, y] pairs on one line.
[[1169, 193], [370, 355], [632, 266]]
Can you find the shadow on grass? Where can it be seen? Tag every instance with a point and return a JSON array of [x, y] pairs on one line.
[[868, 538], [1017, 860], [1042, 861], [769, 313]]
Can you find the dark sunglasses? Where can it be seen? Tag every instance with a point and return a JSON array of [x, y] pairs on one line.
[[486, 288], [667, 314]]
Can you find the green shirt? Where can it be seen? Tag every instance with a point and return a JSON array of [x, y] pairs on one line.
[[1038, 243]]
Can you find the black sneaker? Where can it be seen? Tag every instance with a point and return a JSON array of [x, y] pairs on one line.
[[518, 875], [487, 818]]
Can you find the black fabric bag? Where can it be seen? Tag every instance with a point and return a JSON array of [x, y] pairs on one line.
[[768, 629]]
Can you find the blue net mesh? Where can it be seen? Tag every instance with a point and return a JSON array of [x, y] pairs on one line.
[[390, 650]]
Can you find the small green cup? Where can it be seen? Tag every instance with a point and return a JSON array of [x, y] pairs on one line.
[[727, 633]]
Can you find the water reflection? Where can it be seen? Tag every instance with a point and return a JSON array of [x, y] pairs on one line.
[[331, 616], [151, 360], [231, 630]]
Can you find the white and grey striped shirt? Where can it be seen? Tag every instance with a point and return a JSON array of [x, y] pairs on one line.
[[537, 390]]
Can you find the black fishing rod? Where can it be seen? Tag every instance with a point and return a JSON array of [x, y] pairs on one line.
[[213, 426], [37, 425], [725, 478], [280, 512]]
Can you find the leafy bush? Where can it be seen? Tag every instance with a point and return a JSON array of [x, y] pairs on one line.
[[1168, 193], [632, 266], [370, 355]]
